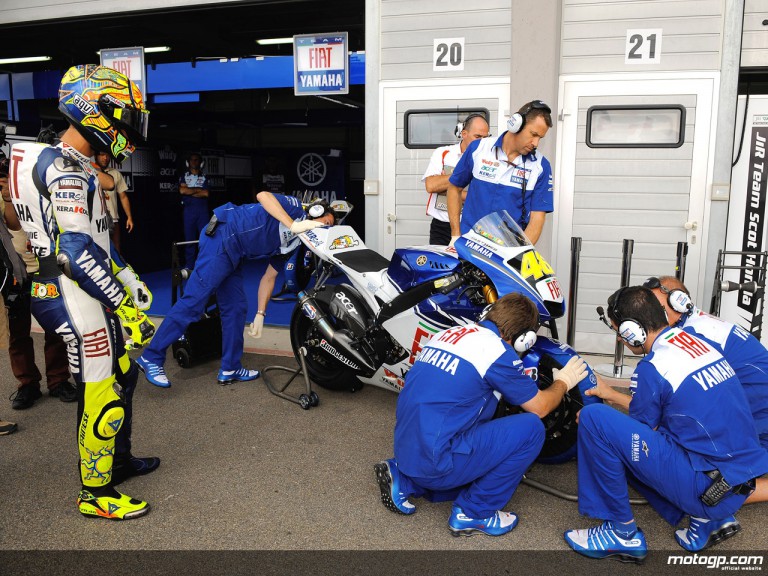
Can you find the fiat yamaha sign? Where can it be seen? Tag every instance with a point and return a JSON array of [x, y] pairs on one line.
[[321, 65]]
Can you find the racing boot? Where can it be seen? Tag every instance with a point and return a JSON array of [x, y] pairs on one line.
[[110, 504]]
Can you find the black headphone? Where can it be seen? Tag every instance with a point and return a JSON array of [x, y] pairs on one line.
[[523, 341], [677, 299], [461, 125], [630, 330], [517, 120]]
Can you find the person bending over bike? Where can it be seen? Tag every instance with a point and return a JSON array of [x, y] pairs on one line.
[[446, 442], [234, 234]]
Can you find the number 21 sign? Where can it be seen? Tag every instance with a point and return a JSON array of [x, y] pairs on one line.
[[643, 46]]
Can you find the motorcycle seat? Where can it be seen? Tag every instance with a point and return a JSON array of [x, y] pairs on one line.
[[362, 261]]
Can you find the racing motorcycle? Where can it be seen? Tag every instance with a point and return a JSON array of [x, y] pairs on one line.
[[370, 330]]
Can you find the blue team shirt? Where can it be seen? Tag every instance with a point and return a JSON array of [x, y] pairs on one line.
[[454, 385], [745, 353], [690, 392], [250, 232], [192, 203], [495, 185]]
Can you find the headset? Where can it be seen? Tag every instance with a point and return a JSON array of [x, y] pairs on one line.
[[202, 160], [320, 208], [517, 120], [678, 300], [460, 125], [630, 330], [524, 341]]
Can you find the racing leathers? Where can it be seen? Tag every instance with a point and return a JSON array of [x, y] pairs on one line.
[[76, 294]]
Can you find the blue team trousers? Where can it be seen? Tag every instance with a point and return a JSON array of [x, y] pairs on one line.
[[501, 452], [195, 219], [614, 449], [214, 272]]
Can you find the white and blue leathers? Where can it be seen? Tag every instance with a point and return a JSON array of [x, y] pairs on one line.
[[519, 187], [60, 205], [688, 415], [745, 353], [445, 437], [243, 232]]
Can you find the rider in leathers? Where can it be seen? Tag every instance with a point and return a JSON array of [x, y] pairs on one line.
[[83, 286]]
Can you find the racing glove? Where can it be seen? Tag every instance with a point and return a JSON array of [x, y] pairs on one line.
[[300, 226], [572, 373], [138, 290], [139, 327], [257, 325]]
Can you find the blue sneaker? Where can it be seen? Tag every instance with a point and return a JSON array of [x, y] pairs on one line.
[[154, 373], [242, 375], [497, 525], [702, 533], [603, 542], [388, 478]]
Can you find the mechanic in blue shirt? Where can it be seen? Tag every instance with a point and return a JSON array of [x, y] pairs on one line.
[[194, 190], [688, 445], [745, 353], [234, 234], [505, 173], [446, 442]]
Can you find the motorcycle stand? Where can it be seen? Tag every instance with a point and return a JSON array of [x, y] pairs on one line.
[[306, 400]]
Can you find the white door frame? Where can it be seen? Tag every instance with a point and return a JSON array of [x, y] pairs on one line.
[[706, 86], [390, 93]]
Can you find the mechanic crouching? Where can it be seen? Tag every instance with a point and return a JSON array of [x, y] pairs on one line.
[[446, 443]]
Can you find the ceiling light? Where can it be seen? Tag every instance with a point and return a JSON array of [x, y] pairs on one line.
[[269, 41], [148, 49], [24, 59]]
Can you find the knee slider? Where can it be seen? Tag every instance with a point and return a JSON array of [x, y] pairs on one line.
[[109, 421]]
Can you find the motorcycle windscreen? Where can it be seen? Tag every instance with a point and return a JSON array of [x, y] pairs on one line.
[[530, 268]]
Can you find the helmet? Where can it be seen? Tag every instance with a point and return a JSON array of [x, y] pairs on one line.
[[106, 107]]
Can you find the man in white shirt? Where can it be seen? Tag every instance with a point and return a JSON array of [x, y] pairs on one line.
[[441, 165]]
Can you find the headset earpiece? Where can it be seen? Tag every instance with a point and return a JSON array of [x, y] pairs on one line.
[[524, 341], [459, 128], [632, 332], [316, 211], [679, 301], [517, 120]]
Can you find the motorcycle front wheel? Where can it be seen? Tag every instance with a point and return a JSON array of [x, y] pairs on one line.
[[325, 370], [560, 424]]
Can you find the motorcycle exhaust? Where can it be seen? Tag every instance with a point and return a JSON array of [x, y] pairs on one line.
[[337, 344]]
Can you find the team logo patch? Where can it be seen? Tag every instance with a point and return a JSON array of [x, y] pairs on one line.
[[421, 260], [645, 449], [343, 242], [42, 290]]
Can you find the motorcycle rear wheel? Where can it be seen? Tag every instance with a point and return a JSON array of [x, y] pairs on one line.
[[325, 370]]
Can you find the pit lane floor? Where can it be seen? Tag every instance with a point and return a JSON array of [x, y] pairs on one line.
[[243, 470]]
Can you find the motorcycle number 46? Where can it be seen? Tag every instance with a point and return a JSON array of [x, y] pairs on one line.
[[533, 264]]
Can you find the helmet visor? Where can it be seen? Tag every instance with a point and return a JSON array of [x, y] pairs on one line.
[[135, 121]]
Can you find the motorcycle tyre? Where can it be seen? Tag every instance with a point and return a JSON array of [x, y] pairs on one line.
[[323, 370], [560, 424]]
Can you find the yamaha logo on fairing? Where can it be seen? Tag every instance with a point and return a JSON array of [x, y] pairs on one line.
[[478, 248]]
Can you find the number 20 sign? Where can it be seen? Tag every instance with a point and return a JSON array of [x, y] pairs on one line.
[[448, 55], [643, 46]]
